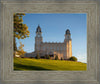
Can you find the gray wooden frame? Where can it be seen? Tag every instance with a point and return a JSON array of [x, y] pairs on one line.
[[90, 7]]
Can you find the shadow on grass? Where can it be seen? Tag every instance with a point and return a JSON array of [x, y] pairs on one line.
[[27, 67]]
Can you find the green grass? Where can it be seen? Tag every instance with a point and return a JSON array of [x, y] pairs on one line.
[[27, 64]]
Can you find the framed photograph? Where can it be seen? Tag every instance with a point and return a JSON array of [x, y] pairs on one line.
[[45, 54], [44, 42]]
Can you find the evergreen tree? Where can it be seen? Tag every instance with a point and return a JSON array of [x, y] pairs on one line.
[[45, 57], [56, 58], [61, 58], [37, 56], [48, 56]]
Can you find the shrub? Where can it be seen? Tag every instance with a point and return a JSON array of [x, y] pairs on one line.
[[31, 57], [73, 58], [37, 56], [45, 57], [22, 57], [48, 56], [61, 58], [56, 58]]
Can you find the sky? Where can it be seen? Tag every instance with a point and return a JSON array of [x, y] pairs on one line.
[[53, 28]]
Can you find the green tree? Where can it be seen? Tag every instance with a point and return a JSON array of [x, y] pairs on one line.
[[37, 56], [45, 56], [56, 58], [73, 58], [61, 58], [48, 56], [20, 29]]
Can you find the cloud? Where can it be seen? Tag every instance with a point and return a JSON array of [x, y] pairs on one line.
[[81, 57]]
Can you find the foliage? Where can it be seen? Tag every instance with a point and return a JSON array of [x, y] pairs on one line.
[[20, 29], [73, 58], [21, 51], [45, 56], [37, 56], [61, 58], [56, 58], [48, 56], [27, 64], [31, 57]]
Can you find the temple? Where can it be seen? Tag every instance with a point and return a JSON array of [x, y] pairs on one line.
[[62, 50]]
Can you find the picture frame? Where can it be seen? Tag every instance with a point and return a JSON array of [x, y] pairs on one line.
[[90, 76]]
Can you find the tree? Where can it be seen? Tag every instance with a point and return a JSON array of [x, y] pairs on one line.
[[20, 29], [48, 56], [14, 44], [73, 58], [45, 56], [61, 58], [37, 56], [21, 51], [56, 58]]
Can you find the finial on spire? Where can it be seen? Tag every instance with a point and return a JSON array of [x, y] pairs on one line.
[[38, 29], [68, 31], [38, 25]]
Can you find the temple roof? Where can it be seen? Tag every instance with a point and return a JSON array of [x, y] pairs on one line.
[[38, 29]]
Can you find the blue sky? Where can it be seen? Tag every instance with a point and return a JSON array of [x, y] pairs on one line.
[[53, 30]]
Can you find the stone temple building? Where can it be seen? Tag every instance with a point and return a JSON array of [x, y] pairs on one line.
[[62, 50]]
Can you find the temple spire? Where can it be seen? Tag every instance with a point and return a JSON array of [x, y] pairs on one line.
[[67, 31], [38, 29]]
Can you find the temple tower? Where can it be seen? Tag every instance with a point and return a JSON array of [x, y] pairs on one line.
[[68, 44], [38, 39]]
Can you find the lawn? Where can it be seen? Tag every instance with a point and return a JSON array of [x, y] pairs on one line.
[[27, 64]]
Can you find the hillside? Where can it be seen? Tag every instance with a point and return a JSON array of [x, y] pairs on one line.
[[27, 64]]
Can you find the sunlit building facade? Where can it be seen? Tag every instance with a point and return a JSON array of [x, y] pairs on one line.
[[62, 50]]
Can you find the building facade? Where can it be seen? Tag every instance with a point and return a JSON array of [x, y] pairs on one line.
[[62, 50]]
